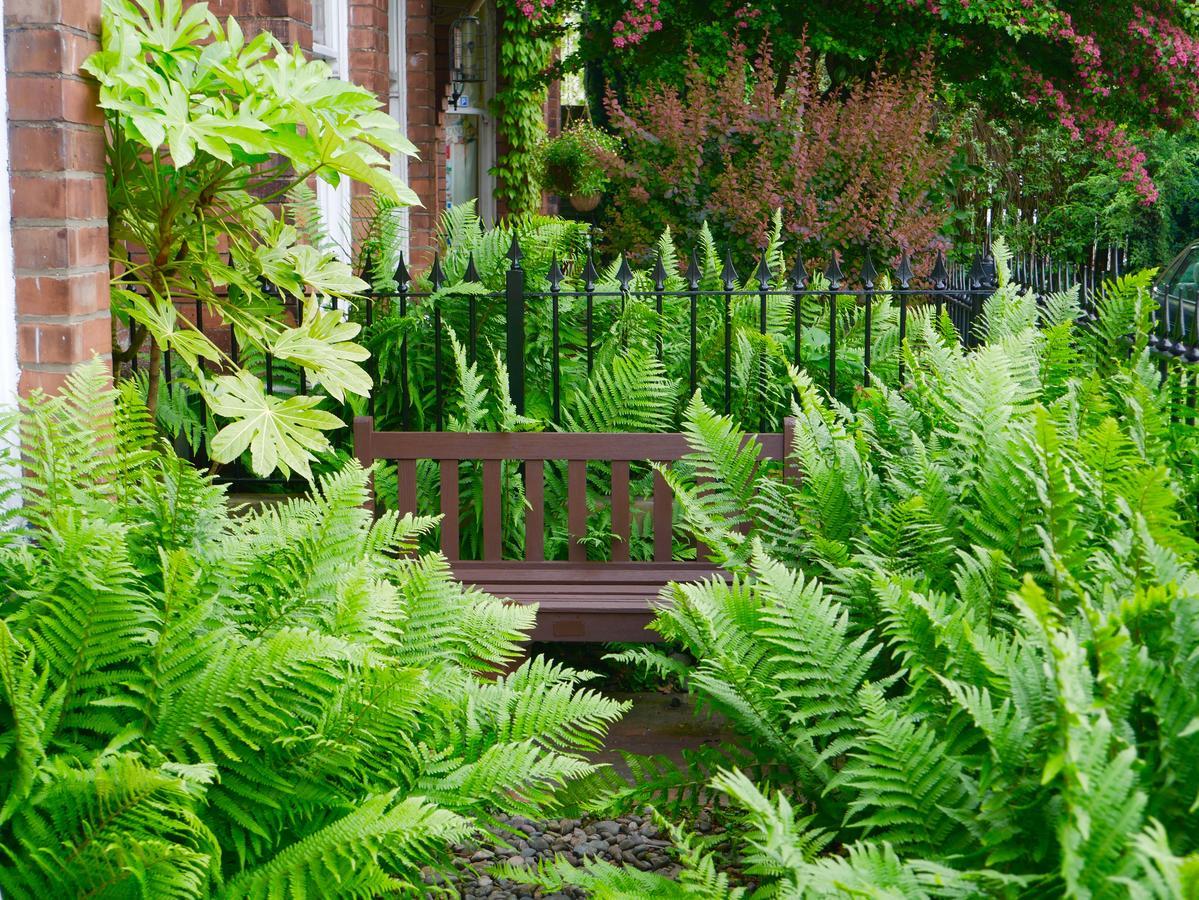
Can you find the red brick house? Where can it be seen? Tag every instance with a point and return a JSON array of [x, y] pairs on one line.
[[53, 260]]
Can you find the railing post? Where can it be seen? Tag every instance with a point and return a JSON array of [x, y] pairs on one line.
[[904, 276], [402, 280], [515, 294], [833, 275], [436, 279], [869, 274], [555, 280], [728, 280]]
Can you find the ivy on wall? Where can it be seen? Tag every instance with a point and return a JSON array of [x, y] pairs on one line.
[[526, 51]]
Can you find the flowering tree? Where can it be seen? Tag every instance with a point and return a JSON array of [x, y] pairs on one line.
[[852, 168], [1106, 72]]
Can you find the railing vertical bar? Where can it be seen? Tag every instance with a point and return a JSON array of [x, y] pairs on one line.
[[763, 302], [515, 301], [589, 278], [692, 276], [729, 282]]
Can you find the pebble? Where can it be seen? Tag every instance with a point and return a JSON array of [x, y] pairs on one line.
[[630, 840]]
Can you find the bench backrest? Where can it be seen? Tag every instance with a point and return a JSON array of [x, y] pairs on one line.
[[449, 448]]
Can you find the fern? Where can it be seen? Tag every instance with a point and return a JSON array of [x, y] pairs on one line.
[[289, 701], [963, 646]]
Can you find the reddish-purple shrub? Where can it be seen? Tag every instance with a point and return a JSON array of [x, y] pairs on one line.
[[847, 167]]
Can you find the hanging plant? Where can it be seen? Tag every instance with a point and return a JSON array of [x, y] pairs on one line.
[[571, 164]]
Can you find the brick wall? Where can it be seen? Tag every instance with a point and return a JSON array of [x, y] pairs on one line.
[[59, 210], [426, 175], [290, 21]]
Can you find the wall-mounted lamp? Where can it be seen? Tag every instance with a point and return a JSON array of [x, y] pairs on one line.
[[468, 63]]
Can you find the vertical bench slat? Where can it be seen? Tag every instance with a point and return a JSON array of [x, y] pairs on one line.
[[364, 432], [493, 542], [663, 504], [701, 549], [576, 508], [406, 482], [535, 516], [620, 511], [449, 508]]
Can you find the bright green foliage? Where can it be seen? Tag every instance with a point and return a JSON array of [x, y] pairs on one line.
[[526, 52], [282, 702], [963, 644], [203, 126], [571, 163]]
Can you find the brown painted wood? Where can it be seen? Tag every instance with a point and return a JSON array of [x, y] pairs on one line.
[[535, 515], [364, 435], [449, 508], [406, 481], [493, 538], [632, 447], [663, 506], [576, 508], [579, 599], [620, 511]]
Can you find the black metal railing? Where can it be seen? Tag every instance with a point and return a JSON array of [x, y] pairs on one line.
[[579, 313], [573, 309]]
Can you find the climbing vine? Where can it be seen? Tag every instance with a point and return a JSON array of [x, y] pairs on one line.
[[528, 35]]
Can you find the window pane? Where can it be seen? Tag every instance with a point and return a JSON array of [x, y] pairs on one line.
[[320, 22]]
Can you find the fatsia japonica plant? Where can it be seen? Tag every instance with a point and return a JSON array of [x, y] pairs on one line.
[[207, 133], [962, 646], [282, 702]]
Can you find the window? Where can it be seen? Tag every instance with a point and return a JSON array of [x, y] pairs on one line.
[[331, 42]]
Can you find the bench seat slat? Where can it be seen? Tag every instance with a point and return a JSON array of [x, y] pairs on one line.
[[629, 446]]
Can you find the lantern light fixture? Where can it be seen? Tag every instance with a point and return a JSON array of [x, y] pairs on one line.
[[468, 64]]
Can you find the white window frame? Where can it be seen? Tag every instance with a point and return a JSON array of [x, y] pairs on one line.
[[397, 96], [334, 202]]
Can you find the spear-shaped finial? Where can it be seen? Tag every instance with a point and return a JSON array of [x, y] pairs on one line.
[[555, 275], [693, 273], [833, 272], [763, 274], [799, 275], [940, 275], [659, 274], [471, 273], [728, 274], [436, 275], [904, 273], [590, 275], [624, 274], [869, 273]]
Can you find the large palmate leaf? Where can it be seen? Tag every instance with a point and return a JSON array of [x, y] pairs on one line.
[[206, 130], [279, 432], [322, 345]]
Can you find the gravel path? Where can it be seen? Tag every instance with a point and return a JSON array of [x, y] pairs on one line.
[[629, 840]]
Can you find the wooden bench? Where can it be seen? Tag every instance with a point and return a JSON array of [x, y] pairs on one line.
[[579, 600]]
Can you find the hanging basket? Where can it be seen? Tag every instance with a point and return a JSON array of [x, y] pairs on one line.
[[585, 202]]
